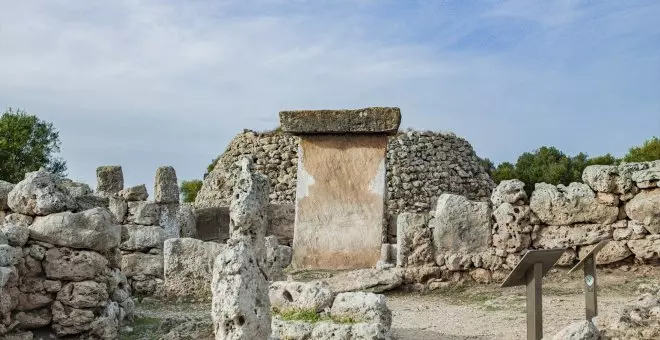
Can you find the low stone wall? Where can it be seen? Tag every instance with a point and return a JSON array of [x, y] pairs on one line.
[[59, 262]]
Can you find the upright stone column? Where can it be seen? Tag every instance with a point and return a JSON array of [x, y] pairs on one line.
[[341, 185], [109, 180], [166, 195]]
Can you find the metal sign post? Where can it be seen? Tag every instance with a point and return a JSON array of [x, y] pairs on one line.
[[529, 272], [588, 263]]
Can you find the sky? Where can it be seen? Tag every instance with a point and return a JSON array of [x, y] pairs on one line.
[[149, 83]]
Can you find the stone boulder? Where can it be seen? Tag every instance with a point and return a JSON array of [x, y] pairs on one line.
[[366, 280], [644, 208], [576, 203], [5, 188], [414, 240], [646, 249], [509, 191], [93, 229], [40, 193], [84, 294], [581, 330], [613, 179], [461, 225], [134, 264], [548, 237], [141, 238], [76, 189], [512, 228], [367, 307], [188, 266], [136, 193], [109, 180], [166, 188], [613, 252], [145, 213], [291, 295], [73, 265], [649, 178]]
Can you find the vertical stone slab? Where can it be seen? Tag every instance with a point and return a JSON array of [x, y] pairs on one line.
[[339, 201], [109, 180], [166, 188]]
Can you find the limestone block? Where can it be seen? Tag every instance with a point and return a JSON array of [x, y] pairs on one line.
[[187, 221], [141, 238], [602, 178], [87, 202], [608, 199], [291, 329], [134, 264], [119, 209], [561, 205], [648, 178], [32, 301], [74, 265], [166, 187], [512, 227], [645, 249], [366, 280], [277, 258], [368, 307], [5, 188], [383, 120], [109, 180], [644, 208], [145, 213], [169, 220], [84, 294], [614, 251], [10, 256], [70, 321], [76, 189], [17, 235], [461, 225], [40, 193], [33, 319], [136, 193], [509, 191], [414, 240], [188, 266], [291, 295], [549, 237], [106, 326], [240, 306], [581, 330], [93, 229]]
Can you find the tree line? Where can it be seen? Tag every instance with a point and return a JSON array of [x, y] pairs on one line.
[[28, 143]]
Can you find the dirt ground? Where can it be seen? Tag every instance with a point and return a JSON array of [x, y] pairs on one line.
[[463, 311]]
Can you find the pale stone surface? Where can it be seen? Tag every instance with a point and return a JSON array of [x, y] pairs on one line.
[[17, 235], [636, 320], [561, 205], [581, 330], [358, 331], [76, 189], [461, 225], [647, 178], [119, 209], [368, 307], [366, 280], [134, 264], [240, 306], [188, 266], [509, 191], [281, 222], [380, 120], [645, 249], [248, 208], [277, 258], [166, 187], [90, 202], [608, 199], [169, 220], [136, 193], [339, 201], [573, 235], [141, 238], [5, 188], [84, 294], [70, 321], [93, 229], [291, 295], [74, 265], [216, 191], [187, 221], [145, 213], [294, 330], [414, 243], [613, 252], [109, 180], [568, 258], [602, 178], [645, 209], [9, 255], [512, 228], [40, 193]]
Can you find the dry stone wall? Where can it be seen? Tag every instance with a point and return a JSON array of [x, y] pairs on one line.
[[59, 271]]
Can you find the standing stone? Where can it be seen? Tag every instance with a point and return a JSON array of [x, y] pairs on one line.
[[109, 180], [461, 226], [40, 193], [240, 307], [413, 240], [248, 209], [166, 188]]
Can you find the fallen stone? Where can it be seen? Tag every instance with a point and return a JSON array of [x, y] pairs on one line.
[[93, 229], [136, 193], [291, 295], [366, 280], [382, 120], [40, 193], [561, 205], [166, 187], [509, 191]]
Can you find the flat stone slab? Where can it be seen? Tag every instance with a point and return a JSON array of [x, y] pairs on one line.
[[380, 120]]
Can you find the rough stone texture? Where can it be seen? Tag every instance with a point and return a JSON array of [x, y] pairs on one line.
[[460, 225], [212, 224], [366, 280], [613, 252], [145, 213], [644, 208], [34, 319], [647, 178], [240, 306], [119, 209], [294, 330], [646, 249], [93, 229], [169, 220], [186, 220], [277, 258], [509, 191], [248, 208], [188, 266], [85, 294], [109, 180], [166, 187], [5, 188], [603, 178], [358, 331], [73, 265], [368, 307], [512, 228], [40, 193], [572, 235], [581, 330], [639, 319], [380, 120], [135, 264], [414, 240], [561, 205], [291, 295], [281, 222], [136, 193], [17, 235], [141, 238]]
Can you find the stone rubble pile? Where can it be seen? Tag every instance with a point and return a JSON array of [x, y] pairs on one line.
[[640, 319], [59, 267]]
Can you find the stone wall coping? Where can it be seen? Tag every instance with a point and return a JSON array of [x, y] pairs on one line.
[[370, 120]]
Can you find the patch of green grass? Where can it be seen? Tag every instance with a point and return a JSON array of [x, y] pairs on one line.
[[311, 316], [144, 328]]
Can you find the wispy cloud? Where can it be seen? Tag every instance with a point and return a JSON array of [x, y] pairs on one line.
[[145, 83]]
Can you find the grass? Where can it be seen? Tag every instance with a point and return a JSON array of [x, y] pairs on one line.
[[311, 316], [144, 328]]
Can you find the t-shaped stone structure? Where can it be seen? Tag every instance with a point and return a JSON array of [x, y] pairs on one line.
[[341, 185]]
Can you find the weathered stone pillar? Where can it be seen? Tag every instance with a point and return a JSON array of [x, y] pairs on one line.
[[341, 185], [109, 180]]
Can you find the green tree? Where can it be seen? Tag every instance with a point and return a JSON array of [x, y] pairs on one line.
[[649, 151], [27, 144], [189, 189], [504, 171], [607, 159]]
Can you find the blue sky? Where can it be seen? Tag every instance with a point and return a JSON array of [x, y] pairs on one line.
[[149, 83]]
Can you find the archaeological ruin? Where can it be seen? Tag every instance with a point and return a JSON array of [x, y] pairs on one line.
[[342, 191]]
